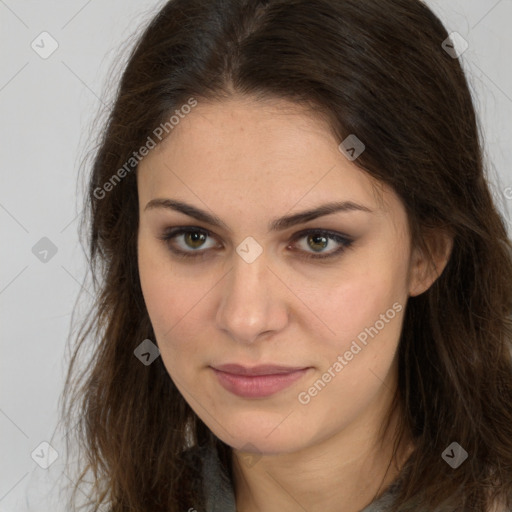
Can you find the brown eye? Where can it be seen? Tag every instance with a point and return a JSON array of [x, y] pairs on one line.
[[316, 241], [191, 242], [187, 242], [194, 239]]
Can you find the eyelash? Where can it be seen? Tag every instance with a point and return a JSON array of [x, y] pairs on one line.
[[172, 233]]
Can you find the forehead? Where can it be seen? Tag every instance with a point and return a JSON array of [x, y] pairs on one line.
[[265, 149]]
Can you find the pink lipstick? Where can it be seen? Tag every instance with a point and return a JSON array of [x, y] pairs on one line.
[[258, 381]]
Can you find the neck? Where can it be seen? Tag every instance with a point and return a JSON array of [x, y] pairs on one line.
[[344, 473]]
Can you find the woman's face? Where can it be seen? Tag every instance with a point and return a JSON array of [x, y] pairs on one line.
[[250, 288]]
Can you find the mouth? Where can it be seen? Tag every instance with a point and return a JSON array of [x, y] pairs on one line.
[[257, 381]]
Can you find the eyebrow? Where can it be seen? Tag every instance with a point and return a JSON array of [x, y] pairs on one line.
[[279, 224]]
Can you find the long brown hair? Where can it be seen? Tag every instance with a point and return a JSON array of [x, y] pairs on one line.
[[374, 68]]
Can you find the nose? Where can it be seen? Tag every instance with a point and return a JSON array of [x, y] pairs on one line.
[[253, 301]]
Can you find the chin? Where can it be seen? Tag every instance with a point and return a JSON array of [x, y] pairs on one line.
[[260, 433]]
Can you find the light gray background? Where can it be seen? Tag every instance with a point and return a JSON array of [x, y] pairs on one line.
[[47, 107]]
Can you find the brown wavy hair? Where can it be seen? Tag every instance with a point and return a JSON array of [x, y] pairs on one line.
[[375, 68]]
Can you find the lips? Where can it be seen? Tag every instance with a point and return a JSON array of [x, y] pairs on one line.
[[257, 381], [237, 369]]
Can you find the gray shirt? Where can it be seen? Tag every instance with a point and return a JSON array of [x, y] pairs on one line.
[[220, 496]]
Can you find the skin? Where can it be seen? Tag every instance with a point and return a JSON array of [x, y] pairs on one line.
[[249, 162]]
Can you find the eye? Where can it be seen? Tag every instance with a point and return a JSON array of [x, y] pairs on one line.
[[192, 240], [320, 239], [189, 242]]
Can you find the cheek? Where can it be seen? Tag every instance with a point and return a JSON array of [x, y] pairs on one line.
[[166, 300], [361, 297], [155, 285], [174, 300]]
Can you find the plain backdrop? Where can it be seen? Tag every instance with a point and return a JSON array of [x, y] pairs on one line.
[[47, 109]]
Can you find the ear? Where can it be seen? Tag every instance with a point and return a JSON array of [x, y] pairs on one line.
[[428, 262]]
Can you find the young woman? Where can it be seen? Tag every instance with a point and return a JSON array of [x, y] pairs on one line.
[[304, 288]]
